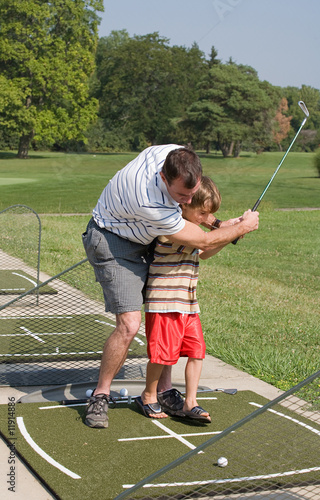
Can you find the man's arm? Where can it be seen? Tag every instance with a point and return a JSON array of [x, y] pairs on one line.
[[194, 236]]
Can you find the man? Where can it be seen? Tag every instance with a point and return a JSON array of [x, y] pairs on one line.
[[140, 203]]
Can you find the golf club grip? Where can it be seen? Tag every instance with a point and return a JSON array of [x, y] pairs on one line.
[[255, 206]]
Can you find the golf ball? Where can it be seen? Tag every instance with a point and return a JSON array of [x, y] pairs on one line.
[[222, 462], [123, 392], [89, 393]]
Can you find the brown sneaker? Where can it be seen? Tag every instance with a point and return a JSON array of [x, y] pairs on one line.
[[96, 413]]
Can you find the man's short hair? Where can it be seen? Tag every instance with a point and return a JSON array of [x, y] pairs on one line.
[[185, 164]]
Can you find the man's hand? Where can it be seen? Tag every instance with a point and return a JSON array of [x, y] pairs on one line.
[[250, 220]]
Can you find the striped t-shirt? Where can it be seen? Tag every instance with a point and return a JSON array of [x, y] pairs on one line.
[[135, 204], [172, 279]]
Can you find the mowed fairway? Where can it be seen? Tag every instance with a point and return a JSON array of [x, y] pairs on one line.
[[71, 183], [259, 299]]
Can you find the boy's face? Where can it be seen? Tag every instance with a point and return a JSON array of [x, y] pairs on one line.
[[196, 215]]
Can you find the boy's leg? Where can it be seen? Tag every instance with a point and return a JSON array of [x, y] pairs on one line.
[[159, 334], [192, 376], [154, 371], [149, 395]]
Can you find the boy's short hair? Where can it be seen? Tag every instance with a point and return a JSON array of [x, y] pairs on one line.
[[208, 196]]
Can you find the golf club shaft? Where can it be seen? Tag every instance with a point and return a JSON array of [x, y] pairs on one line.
[[257, 203]]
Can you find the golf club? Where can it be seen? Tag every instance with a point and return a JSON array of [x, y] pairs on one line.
[[227, 391], [85, 401], [304, 108]]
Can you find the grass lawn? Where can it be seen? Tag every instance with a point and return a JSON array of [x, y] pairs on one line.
[[259, 299]]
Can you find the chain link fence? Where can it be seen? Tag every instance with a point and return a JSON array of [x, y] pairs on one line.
[[51, 332], [20, 235]]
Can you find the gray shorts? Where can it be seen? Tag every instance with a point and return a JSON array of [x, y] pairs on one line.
[[120, 266]]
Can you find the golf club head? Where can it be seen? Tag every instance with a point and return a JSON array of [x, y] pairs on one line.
[[227, 391], [304, 108]]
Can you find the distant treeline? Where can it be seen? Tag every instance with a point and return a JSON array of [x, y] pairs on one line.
[[64, 89]]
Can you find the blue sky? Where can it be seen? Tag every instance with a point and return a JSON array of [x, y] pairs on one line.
[[279, 38]]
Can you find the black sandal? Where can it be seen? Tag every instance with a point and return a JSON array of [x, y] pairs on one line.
[[196, 413], [148, 409]]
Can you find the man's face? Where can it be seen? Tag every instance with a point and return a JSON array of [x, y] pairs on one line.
[[179, 192]]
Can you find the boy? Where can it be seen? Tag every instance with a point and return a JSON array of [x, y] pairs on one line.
[[173, 327]]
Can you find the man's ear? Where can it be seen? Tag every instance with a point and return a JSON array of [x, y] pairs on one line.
[[162, 176]]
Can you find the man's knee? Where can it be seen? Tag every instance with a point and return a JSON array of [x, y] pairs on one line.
[[128, 323]]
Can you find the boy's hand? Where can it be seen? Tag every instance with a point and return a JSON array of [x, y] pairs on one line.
[[230, 222]]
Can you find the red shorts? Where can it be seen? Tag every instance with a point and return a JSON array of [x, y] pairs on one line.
[[173, 335]]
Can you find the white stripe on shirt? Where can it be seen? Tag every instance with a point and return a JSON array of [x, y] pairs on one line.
[[135, 204]]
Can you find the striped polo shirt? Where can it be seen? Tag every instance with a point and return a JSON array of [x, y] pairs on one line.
[[135, 204], [172, 279]]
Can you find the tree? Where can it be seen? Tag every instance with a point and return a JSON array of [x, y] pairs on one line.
[[308, 140], [282, 128], [46, 57], [144, 85], [232, 105], [213, 59]]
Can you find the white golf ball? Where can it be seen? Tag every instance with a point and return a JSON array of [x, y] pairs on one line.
[[222, 462], [89, 393], [123, 392]]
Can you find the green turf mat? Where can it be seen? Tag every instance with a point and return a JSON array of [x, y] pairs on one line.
[[99, 462], [17, 282], [57, 338]]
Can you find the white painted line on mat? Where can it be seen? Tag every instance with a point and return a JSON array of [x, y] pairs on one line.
[[36, 336], [33, 335], [146, 438], [224, 481], [174, 434], [42, 453], [26, 355], [306, 426], [37, 317], [12, 289], [104, 323], [61, 406], [26, 278], [140, 342], [29, 333]]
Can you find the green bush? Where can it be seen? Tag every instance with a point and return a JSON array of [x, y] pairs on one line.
[[317, 161]]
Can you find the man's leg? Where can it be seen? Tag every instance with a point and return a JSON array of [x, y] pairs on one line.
[[114, 354], [116, 349]]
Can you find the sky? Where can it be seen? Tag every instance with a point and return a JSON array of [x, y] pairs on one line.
[[280, 39]]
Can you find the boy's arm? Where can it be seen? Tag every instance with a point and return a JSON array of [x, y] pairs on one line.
[[209, 253], [215, 225], [193, 236]]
